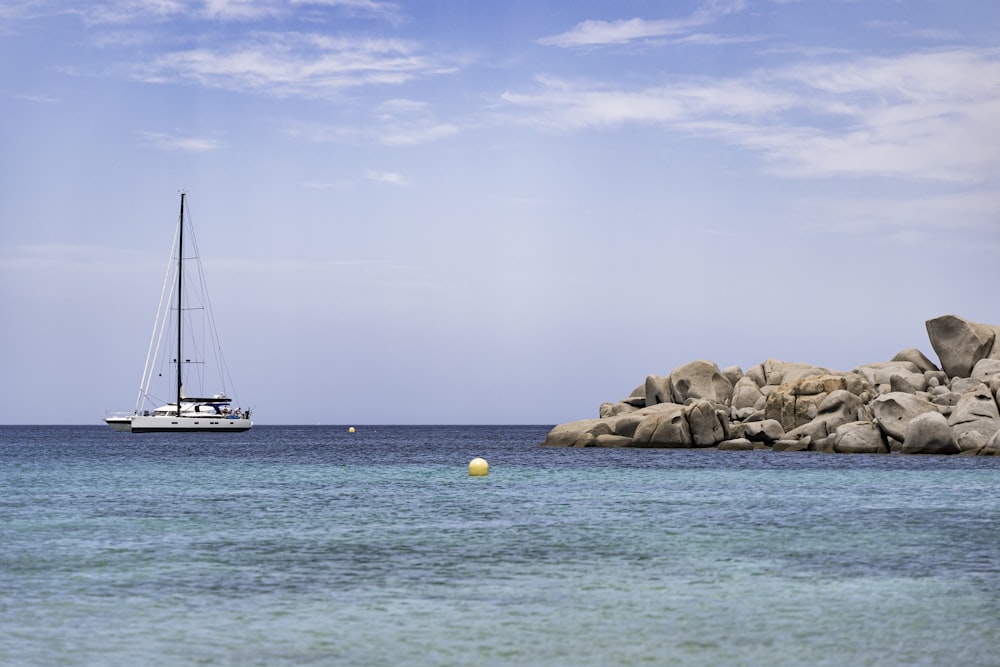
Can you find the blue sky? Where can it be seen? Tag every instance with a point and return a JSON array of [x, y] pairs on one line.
[[463, 212]]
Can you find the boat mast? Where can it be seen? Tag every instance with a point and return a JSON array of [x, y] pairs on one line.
[[180, 276]]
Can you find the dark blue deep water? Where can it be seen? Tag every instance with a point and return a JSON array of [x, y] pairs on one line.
[[315, 546]]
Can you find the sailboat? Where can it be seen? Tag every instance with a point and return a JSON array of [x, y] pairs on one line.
[[183, 413]]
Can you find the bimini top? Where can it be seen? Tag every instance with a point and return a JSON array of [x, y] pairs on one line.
[[214, 399]]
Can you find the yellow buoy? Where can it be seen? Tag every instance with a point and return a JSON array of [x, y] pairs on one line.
[[478, 467], [350, 430]]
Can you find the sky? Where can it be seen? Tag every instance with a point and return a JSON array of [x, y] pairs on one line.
[[488, 212]]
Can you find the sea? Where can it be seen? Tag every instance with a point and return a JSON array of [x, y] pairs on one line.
[[315, 545]]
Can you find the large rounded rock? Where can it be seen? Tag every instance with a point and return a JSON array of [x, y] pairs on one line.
[[663, 426], [612, 441], [619, 408], [971, 443], [960, 343], [841, 407], [929, 433], [975, 413], [580, 433], [985, 370], [736, 445], [917, 358], [733, 374], [625, 425], [746, 394], [895, 410], [992, 447], [657, 390], [766, 431], [758, 375], [791, 445], [700, 379], [862, 437], [709, 425]]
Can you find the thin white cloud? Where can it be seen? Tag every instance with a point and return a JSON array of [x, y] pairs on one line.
[[405, 122], [387, 177], [133, 11], [14, 13], [176, 143], [34, 97], [75, 259], [240, 10], [123, 38], [387, 11], [807, 51], [919, 116], [327, 185], [711, 39], [970, 210], [621, 31], [907, 29], [141, 11], [395, 107], [589, 33], [567, 105], [413, 134], [399, 122], [296, 64], [321, 133]]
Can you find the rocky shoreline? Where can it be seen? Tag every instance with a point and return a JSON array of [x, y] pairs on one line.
[[905, 405]]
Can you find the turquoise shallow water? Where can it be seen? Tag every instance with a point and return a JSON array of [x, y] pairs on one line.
[[313, 546]]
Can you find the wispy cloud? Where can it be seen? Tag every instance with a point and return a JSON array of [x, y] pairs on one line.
[[240, 10], [132, 11], [390, 12], [34, 97], [965, 209], [176, 143], [322, 133], [406, 122], [714, 39], [415, 133], [140, 11], [14, 13], [398, 122], [296, 64], [327, 185], [907, 29], [387, 177], [621, 31], [567, 105], [75, 259], [921, 116]]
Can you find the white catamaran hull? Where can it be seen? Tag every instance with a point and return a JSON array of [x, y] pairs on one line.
[[121, 424], [174, 424]]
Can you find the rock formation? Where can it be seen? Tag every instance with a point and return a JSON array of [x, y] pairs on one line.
[[906, 405]]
